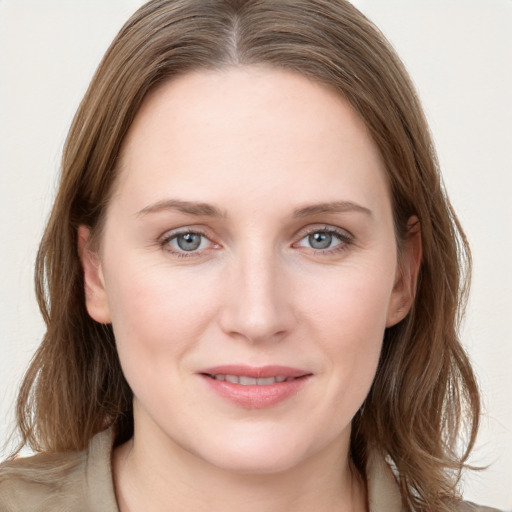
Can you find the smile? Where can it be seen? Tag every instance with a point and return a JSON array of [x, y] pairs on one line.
[[255, 387], [244, 380]]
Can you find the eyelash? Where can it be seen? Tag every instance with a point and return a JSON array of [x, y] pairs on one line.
[[343, 236], [168, 238]]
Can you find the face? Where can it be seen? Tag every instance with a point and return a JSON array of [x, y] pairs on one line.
[[248, 265]]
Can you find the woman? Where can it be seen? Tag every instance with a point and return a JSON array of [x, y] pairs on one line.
[[251, 278]]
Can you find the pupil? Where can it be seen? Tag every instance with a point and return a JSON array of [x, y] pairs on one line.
[[189, 241], [320, 240]]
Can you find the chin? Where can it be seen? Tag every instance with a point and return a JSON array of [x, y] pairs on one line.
[[260, 451], [256, 462]]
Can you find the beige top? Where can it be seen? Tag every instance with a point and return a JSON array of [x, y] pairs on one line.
[[82, 482]]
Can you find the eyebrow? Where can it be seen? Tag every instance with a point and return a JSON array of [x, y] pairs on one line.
[[207, 210], [187, 207], [331, 207]]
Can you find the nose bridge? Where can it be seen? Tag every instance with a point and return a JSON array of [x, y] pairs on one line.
[[258, 307]]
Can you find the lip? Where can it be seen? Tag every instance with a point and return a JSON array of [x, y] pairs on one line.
[[256, 396]]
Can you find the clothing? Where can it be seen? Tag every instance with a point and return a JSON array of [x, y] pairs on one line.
[[82, 482]]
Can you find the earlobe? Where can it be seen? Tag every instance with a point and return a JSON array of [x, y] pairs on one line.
[[94, 285], [404, 290]]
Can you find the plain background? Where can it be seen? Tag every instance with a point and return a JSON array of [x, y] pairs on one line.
[[459, 53]]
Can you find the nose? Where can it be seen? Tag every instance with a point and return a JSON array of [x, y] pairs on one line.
[[258, 305]]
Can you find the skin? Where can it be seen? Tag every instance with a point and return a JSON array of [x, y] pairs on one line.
[[258, 144]]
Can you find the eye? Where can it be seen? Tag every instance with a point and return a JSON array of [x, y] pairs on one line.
[[189, 241], [325, 239], [321, 240]]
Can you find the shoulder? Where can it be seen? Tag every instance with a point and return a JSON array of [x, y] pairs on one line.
[[384, 491], [58, 482], [42, 482]]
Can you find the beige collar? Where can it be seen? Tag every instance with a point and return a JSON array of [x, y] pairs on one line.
[[383, 491], [100, 483]]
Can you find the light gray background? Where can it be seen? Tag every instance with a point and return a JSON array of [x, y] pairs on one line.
[[459, 53]]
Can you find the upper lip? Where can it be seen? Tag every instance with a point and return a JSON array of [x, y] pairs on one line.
[[255, 371]]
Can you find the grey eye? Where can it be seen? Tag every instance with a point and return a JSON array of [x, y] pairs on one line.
[[324, 239], [189, 241], [320, 240]]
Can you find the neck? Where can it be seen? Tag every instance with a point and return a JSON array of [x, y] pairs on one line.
[[151, 473]]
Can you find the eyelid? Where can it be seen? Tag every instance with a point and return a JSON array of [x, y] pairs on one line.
[[344, 234], [168, 236], [346, 238]]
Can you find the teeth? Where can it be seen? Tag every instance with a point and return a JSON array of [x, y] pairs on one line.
[[267, 381], [251, 381], [247, 381]]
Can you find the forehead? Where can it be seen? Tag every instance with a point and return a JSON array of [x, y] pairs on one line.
[[251, 129]]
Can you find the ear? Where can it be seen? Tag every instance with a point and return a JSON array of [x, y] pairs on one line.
[[404, 290], [94, 284]]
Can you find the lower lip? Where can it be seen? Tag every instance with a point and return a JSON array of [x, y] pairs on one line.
[[256, 397]]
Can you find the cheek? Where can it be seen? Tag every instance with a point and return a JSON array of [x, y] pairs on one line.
[[353, 300], [157, 314], [348, 318]]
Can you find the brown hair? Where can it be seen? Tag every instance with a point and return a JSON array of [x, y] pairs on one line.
[[424, 393]]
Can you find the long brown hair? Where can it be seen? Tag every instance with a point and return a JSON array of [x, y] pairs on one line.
[[424, 394]]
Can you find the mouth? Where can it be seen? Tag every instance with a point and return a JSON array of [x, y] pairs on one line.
[[244, 380], [255, 387]]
